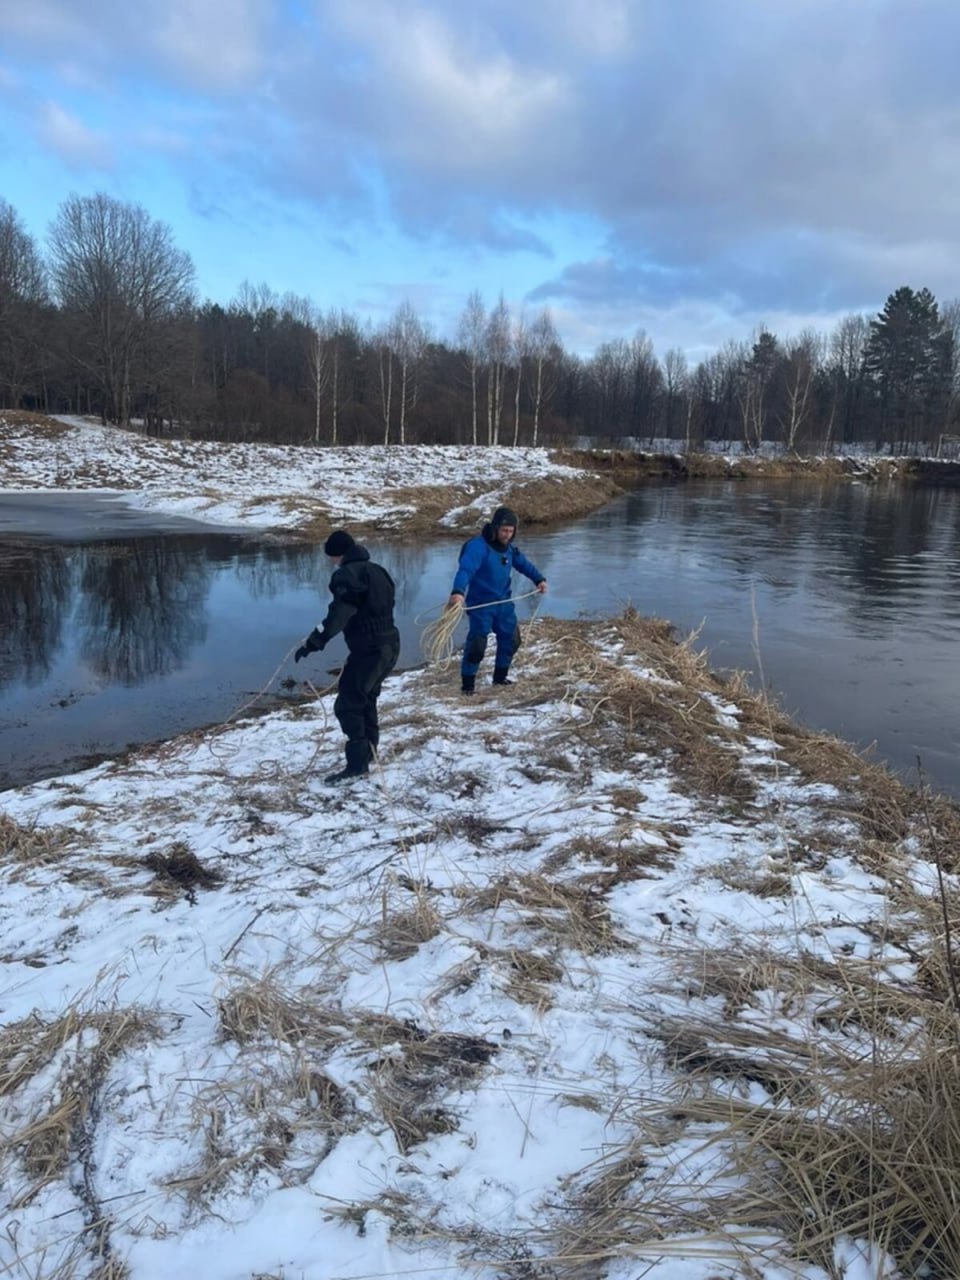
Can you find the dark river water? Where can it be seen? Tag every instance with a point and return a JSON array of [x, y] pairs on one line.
[[117, 628]]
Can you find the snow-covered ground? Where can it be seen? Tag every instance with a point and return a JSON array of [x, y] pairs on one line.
[[491, 1012], [433, 1023], [266, 486]]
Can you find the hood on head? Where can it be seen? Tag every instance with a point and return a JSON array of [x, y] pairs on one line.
[[502, 516]]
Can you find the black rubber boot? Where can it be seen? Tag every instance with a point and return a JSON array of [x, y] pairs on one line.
[[500, 675], [358, 761], [468, 684]]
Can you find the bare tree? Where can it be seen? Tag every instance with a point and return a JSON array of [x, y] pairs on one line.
[[610, 374], [542, 341], [120, 273], [646, 384], [409, 339], [324, 370], [498, 353], [383, 343], [676, 391], [471, 335], [23, 293], [799, 368], [520, 343], [848, 376]]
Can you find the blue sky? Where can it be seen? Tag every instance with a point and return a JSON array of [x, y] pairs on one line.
[[694, 168]]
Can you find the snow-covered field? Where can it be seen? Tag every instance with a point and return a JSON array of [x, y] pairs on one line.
[[438, 1022], [266, 486]]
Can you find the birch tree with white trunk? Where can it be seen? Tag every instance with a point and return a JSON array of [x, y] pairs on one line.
[[498, 353], [409, 340], [542, 343], [471, 335], [799, 367], [520, 341]]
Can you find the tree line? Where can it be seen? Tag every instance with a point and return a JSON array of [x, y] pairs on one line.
[[105, 320]]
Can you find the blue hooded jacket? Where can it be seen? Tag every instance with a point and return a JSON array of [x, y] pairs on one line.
[[486, 567]]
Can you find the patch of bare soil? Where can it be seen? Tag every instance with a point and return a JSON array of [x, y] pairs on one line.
[[42, 426], [631, 467]]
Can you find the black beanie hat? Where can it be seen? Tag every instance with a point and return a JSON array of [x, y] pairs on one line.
[[339, 543], [503, 515]]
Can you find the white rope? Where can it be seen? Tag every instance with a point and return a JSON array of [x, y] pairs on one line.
[[437, 639]]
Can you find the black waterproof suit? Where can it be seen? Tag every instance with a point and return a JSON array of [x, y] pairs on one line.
[[362, 608]]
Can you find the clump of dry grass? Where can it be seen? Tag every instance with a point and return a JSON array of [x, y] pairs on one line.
[[886, 809], [28, 1045], [630, 714], [529, 974], [555, 498], [180, 869], [31, 844], [278, 1112], [58, 1127], [878, 1159], [625, 859], [762, 882], [416, 1071], [857, 1139], [572, 915], [261, 1009], [400, 934]]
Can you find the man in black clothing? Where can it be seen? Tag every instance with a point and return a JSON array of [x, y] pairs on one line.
[[362, 608]]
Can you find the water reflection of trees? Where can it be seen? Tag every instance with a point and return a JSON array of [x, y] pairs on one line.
[[868, 548], [34, 598], [142, 607], [268, 570]]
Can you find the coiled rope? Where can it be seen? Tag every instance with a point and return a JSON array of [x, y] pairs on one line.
[[437, 638]]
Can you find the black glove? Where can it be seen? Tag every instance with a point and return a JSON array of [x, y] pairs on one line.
[[313, 644]]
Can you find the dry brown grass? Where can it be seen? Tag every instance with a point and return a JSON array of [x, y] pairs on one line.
[[58, 1128], [276, 1111], [180, 870], [569, 915], [41, 426], [416, 510], [263, 1009], [557, 498], [624, 859], [401, 933], [763, 882], [885, 809], [632, 467], [32, 845], [858, 1138], [414, 1075], [667, 716]]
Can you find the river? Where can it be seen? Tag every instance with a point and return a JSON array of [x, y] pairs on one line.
[[117, 628]]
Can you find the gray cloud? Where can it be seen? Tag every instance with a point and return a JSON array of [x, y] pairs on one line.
[[797, 157]]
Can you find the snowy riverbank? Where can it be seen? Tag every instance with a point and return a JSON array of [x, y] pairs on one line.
[[519, 1005], [291, 489]]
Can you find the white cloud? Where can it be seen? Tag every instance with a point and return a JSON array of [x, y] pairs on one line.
[[70, 138], [218, 43], [450, 95]]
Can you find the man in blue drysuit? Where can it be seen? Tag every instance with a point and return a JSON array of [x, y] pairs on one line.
[[483, 582]]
